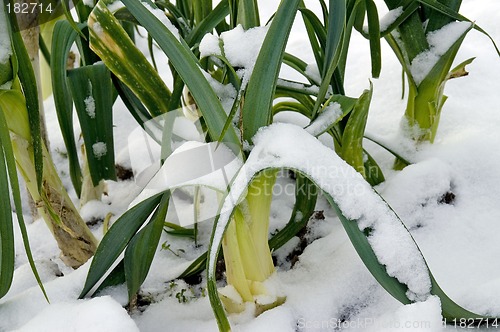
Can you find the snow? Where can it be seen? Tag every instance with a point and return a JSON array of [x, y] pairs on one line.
[[440, 42], [160, 15], [90, 106], [226, 92], [390, 18], [299, 86], [185, 168], [102, 314], [387, 19], [115, 6], [329, 282], [325, 119], [89, 3], [97, 28], [5, 46], [99, 149], [209, 45], [6, 86], [241, 48], [312, 71], [94, 209], [422, 316], [423, 184], [90, 102]]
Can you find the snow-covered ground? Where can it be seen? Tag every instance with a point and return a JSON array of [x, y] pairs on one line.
[[329, 285]]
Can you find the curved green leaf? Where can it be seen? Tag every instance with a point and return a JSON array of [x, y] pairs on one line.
[[6, 228], [333, 50], [306, 194], [197, 266], [352, 137], [388, 148], [117, 238], [111, 42], [374, 174], [286, 106], [299, 65], [142, 248], [62, 38], [28, 81], [114, 278], [374, 35], [257, 108], [69, 18], [316, 46], [315, 24], [443, 9]]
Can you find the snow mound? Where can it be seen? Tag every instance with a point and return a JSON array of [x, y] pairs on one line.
[[98, 314]]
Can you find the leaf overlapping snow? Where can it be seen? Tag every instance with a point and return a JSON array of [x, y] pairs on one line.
[[289, 146]]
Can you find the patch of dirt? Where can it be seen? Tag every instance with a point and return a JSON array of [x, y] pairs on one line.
[[139, 303], [447, 198], [123, 173], [94, 222], [193, 280], [304, 239]]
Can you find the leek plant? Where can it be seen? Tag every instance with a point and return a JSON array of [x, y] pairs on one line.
[[246, 249], [73, 237], [30, 32], [323, 99], [21, 139], [426, 35]]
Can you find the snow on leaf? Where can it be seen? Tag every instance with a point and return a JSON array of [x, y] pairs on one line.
[[288, 146]]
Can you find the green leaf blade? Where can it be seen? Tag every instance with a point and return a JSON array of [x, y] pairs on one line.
[[63, 37], [116, 239], [374, 36], [209, 23], [248, 14], [257, 109], [335, 35], [141, 249], [91, 89], [306, 195], [6, 227], [352, 138], [28, 81], [111, 42]]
